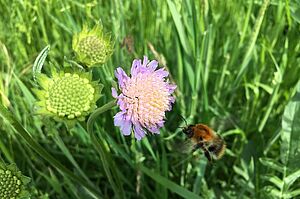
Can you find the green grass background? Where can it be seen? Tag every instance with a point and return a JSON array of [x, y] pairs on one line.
[[236, 64]]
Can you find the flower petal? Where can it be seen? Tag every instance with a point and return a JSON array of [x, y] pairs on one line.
[[152, 65], [114, 92], [118, 118], [171, 99], [136, 65], [154, 130], [126, 128], [125, 125], [122, 103], [171, 88], [139, 133], [145, 61], [121, 76], [161, 73]]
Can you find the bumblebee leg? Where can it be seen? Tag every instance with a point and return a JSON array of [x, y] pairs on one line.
[[207, 152], [197, 146], [207, 155]]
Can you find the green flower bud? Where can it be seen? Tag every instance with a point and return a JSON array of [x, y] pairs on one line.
[[12, 182], [67, 97], [92, 47]]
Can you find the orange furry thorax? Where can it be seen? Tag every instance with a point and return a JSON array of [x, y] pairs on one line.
[[202, 131]]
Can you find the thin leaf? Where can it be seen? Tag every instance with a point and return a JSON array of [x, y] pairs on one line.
[[68, 154], [292, 194], [271, 141], [290, 139], [296, 15], [268, 162], [39, 62], [271, 191], [146, 143], [241, 172], [169, 184], [289, 180], [252, 42], [179, 25], [275, 180]]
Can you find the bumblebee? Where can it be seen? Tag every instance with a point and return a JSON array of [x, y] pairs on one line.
[[204, 138]]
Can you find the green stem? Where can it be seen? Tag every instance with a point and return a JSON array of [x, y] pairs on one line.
[[108, 164], [6, 114], [98, 112]]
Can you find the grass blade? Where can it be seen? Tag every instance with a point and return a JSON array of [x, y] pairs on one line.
[[179, 26], [252, 42], [169, 184]]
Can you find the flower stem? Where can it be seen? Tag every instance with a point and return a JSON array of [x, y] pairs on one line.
[[108, 164], [7, 115], [98, 112]]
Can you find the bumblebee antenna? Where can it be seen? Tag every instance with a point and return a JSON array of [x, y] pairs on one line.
[[183, 120]]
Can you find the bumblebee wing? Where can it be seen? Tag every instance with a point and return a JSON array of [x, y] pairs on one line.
[[185, 146]]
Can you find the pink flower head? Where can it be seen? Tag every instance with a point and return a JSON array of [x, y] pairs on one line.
[[144, 98]]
